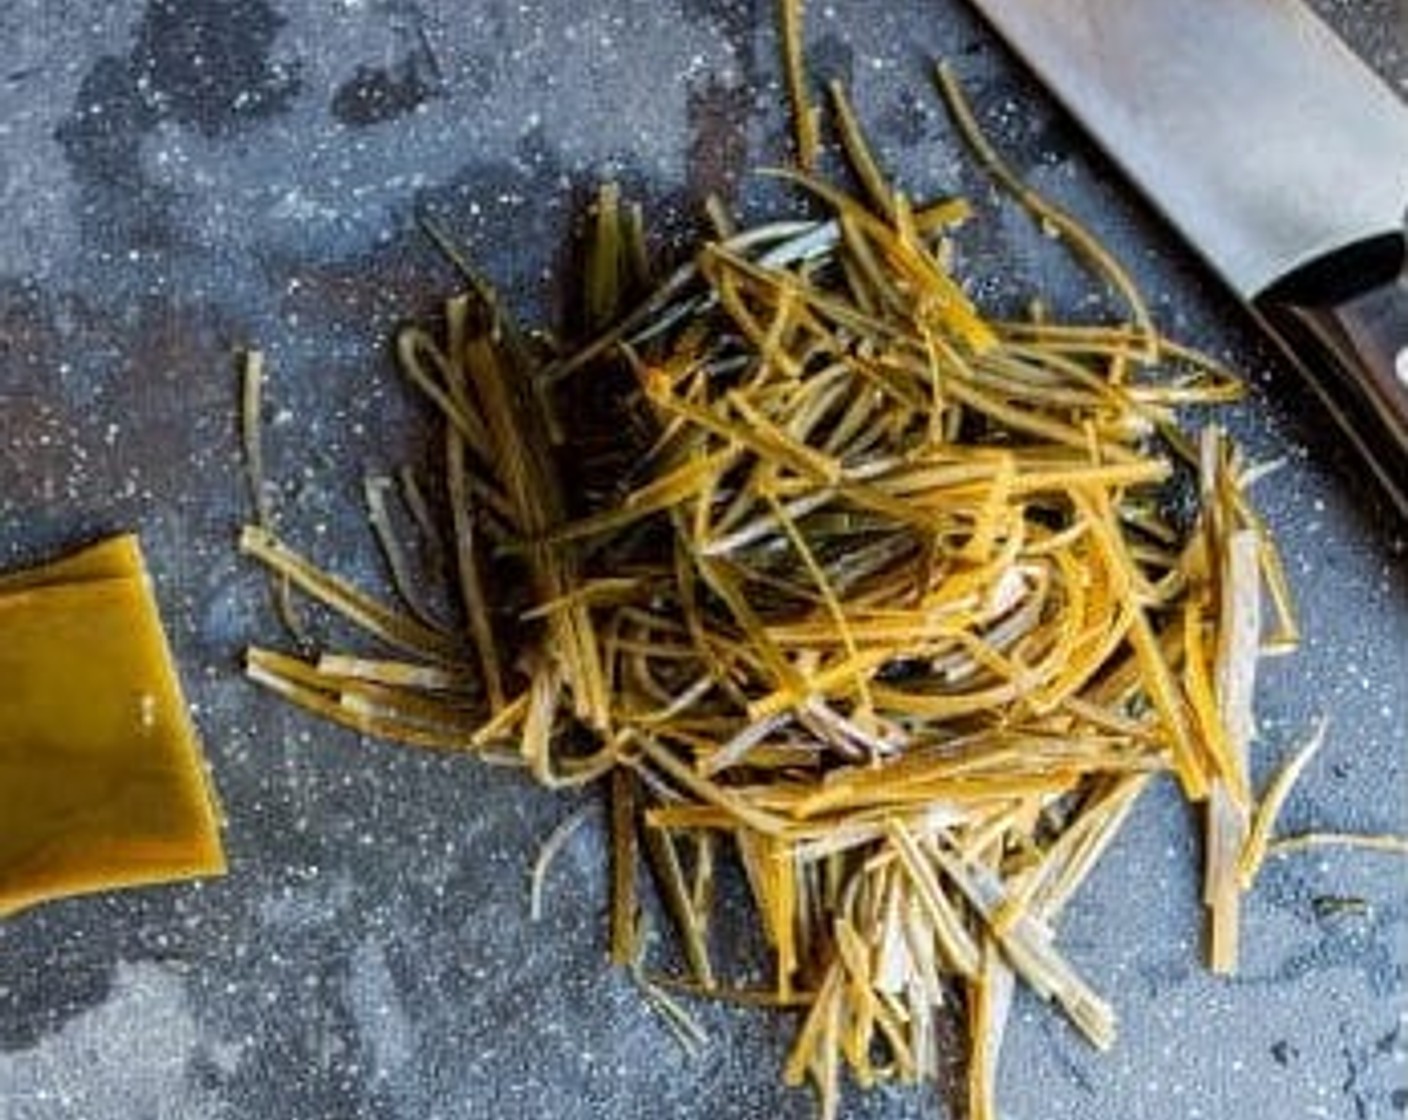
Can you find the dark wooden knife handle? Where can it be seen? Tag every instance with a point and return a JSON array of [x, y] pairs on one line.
[[1344, 322]]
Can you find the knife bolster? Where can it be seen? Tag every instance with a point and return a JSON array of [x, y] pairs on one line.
[[1343, 320]]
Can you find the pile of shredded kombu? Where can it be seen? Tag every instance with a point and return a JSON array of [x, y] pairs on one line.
[[818, 568]]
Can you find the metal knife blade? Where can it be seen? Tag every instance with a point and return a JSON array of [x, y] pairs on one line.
[[1281, 158], [1260, 135]]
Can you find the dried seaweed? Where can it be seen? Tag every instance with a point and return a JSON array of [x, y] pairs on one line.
[[888, 606]]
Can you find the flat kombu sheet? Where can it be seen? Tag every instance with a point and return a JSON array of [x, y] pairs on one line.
[[102, 780]]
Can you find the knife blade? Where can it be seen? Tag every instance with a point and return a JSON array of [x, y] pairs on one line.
[[1280, 157]]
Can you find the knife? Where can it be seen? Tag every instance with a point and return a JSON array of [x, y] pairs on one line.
[[1278, 154]]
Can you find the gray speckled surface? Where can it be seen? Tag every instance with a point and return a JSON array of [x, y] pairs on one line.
[[180, 179]]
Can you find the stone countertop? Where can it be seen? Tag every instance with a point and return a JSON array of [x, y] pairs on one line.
[[182, 179]]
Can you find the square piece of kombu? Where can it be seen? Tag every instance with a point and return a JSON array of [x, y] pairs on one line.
[[102, 780]]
